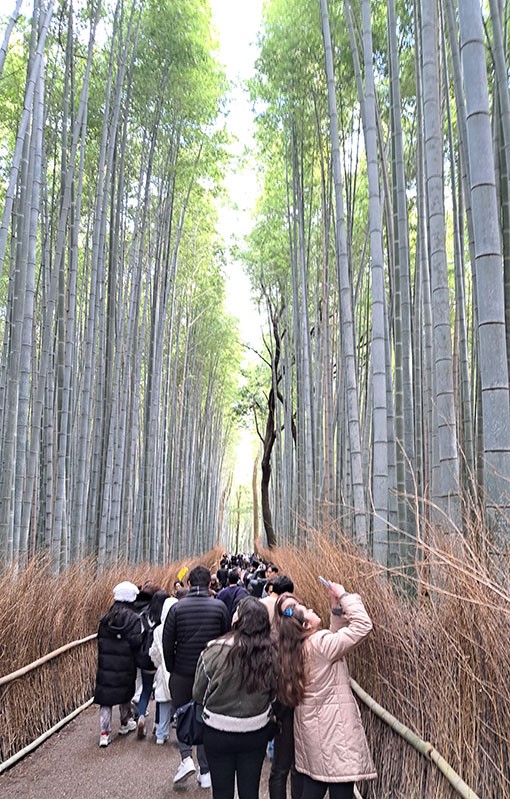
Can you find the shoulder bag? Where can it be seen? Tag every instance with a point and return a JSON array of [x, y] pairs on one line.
[[189, 726]]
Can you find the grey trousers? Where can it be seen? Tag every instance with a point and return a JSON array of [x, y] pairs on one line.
[[105, 716]]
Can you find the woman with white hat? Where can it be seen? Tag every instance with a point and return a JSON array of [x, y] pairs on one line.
[[118, 640]]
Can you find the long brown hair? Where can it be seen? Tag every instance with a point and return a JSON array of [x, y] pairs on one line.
[[252, 655], [292, 656]]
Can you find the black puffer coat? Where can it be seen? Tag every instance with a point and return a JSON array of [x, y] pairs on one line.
[[118, 640], [189, 626]]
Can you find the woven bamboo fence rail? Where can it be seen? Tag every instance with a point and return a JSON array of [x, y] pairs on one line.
[[424, 747], [39, 662], [7, 679]]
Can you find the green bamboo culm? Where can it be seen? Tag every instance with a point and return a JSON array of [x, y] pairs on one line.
[[424, 747]]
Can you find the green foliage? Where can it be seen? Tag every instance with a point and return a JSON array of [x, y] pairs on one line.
[[12, 87], [267, 254], [175, 62], [201, 293], [251, 399]]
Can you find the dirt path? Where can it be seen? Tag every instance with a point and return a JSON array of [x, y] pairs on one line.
[[71, 764]]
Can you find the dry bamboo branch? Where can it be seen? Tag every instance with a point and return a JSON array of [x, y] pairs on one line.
[[424, 747], [25, 669]]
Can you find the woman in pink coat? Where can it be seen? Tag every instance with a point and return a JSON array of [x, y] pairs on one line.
[[331, 746]]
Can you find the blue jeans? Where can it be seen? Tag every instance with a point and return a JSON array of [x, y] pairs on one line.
[[163, 721], [147, 682]]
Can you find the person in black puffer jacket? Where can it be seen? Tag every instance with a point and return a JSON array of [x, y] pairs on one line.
[[118, 642], [189, 626]]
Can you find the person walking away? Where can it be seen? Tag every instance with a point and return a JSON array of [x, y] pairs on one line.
[[150, 620], [236, 682], [233, 593], [164, 705], [222, 573], [331, 749], [141, 605], [189, 626], [118, 643]]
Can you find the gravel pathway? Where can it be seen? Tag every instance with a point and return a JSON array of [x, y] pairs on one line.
[[71, 764]]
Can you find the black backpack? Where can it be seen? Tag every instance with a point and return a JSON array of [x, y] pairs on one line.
[[144, 660], [256, 587]]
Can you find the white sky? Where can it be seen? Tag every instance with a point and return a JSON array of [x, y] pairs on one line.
[[237, 23]]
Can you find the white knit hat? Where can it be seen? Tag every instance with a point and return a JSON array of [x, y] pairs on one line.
[[125, 592]]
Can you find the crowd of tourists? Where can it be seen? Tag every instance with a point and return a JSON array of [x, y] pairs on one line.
[[269, 677]]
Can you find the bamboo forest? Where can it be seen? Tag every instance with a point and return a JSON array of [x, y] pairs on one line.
[[378, 257], [255, 311]]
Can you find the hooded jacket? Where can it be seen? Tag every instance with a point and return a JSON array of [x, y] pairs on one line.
[[330, 741], [119, 639], [189, 626]]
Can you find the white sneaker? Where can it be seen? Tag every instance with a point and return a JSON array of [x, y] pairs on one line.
[[104, 739], [129, 726], [186, 768], [204, 780], [161, 741]]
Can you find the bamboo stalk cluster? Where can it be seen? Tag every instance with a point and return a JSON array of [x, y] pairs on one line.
[[380, 253], [117, 356]]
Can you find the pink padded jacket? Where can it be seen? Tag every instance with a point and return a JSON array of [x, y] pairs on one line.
[[330, 741]]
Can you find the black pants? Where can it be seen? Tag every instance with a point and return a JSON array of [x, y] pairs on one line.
[[283, 759], [232, 754], [313, 789]]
